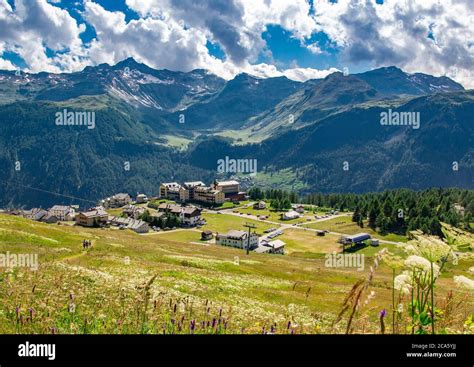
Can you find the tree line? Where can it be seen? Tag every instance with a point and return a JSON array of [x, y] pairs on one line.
[[398, 210]]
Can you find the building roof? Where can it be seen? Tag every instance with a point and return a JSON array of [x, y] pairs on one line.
[[227, 183], [177, 209], [358, 237], [98, 212], [276, 244], [61, 207], [236, 234], [48, 216], [121, 196], [171, 184], [291, 214], [194, 183], [262, 249]]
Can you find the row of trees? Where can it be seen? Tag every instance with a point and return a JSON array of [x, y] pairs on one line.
[[405, 210]]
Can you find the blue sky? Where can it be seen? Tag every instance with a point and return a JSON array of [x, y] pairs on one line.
[[300, 39]]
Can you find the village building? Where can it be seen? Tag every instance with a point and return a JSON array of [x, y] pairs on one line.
[[141, 199], [49, 218], [239, 239], [231, 189], [34, 214], [132, 211], [186, 192], [63, 212], [116, 201], [260, 205], [94, 217], [275, 246], [189, 216], [355, 239], [290, 215], [299, 209], [135, 225], [262, 249], [206, 235], [170, 190], [208, 195]]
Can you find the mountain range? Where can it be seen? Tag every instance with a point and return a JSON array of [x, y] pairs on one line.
[[160, 125]]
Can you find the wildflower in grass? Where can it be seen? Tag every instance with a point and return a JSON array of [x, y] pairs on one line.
[[402, 283], [382, 323], [471, 270], [400, 308], [464, 282], [415, 262]]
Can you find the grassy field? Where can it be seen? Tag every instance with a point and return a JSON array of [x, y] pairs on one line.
[[275, 216], [347, 226], [164, 283], [223, 223]]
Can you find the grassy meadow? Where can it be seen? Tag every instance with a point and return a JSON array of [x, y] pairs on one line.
[[171, 282]]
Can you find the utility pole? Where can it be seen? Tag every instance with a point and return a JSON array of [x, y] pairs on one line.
[[249, 226]]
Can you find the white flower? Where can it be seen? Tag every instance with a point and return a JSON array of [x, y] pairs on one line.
[[420, 263], [400, 308], [464, 282], [403, 283], [471, 270]]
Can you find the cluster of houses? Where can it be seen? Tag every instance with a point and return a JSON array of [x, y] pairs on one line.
[[216, 193], [98, 217], [57, 213]]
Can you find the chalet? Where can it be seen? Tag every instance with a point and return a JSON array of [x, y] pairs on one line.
[[206, 235], [299, 209], [276, 246], [272, 247], [135, 225], [239, 239], [116, 201], [34, 214], [189, 215], [290, 215], [132, 211], [63, 212], [141, 199], [260, 205], [93, 217], [49, 218], [262, 249]]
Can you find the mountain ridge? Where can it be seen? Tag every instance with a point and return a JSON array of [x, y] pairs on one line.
[[307, 129]]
